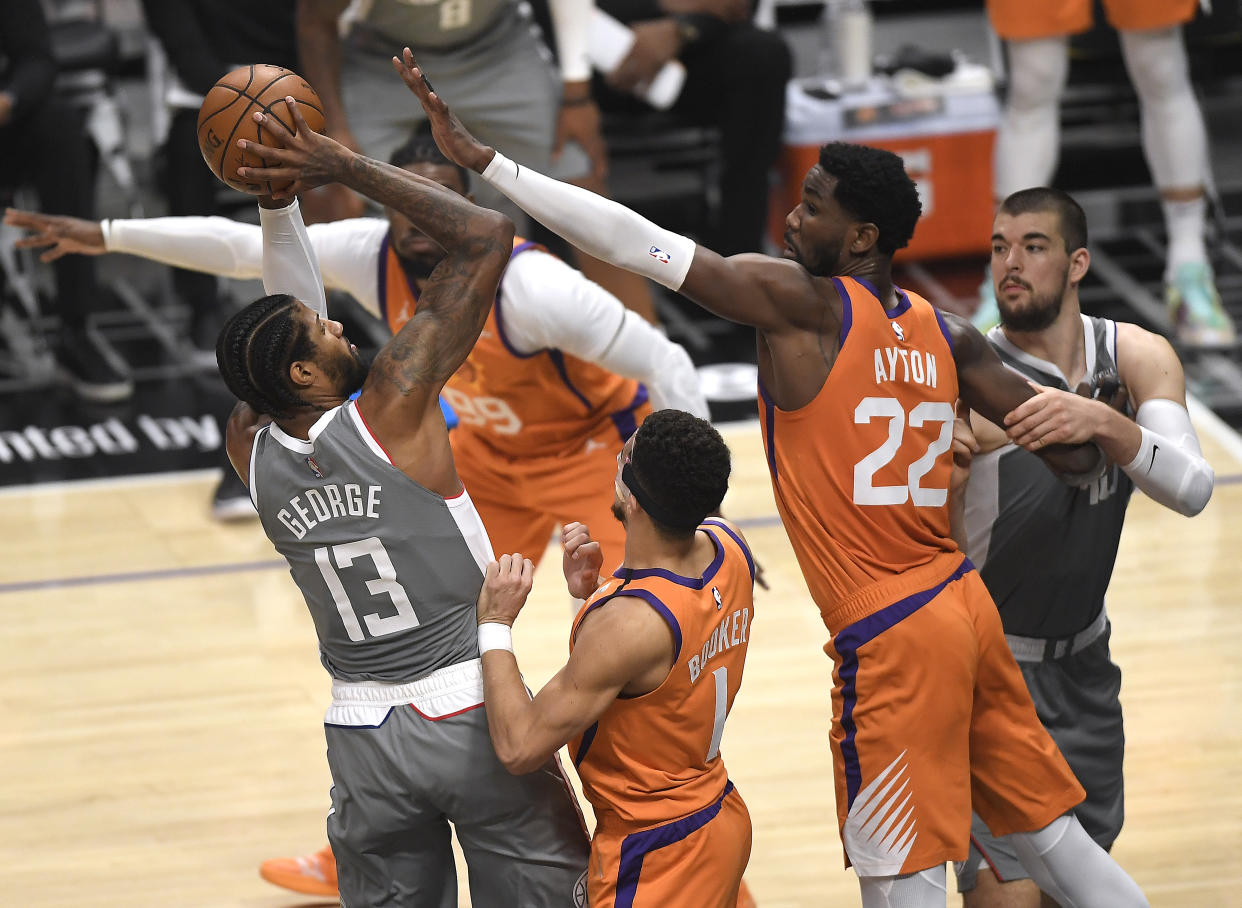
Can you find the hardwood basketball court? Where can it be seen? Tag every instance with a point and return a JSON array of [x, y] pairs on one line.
[[163, 699]]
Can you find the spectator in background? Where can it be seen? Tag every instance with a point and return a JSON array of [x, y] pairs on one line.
[[489, 59], [203, 40], [735, 80], [1174, 136], [42, 142]]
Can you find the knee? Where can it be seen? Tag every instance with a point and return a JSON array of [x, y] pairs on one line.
[[1037, 72], [1157, 64]]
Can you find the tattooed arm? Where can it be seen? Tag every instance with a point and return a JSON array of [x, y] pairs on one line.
[[407, 375], [400, 399]]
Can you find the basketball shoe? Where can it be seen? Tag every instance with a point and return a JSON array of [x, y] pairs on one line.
[[1195, 307], [311, 874]]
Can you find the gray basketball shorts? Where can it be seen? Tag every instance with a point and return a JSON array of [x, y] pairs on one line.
[[400, 784], [1076, 698]]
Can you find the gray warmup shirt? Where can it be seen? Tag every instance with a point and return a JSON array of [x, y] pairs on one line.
[[1044, 549]]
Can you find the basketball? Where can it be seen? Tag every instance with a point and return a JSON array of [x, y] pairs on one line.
[[227, 114]]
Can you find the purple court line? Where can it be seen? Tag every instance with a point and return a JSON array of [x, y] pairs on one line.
[[53, 583]]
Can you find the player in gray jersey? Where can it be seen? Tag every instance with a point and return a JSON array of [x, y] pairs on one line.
[[363, 500], [1045, 549]]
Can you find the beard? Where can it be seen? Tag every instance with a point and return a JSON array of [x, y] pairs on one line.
[[824, 264], [349, 372], [1040, 312], [618, 512]]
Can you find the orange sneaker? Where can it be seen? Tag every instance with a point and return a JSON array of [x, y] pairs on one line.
[[744, 898], [312, 874]]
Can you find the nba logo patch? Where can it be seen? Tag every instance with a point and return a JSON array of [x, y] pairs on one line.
[[314, 467], [719, 600], [659, 255], [901, 335]]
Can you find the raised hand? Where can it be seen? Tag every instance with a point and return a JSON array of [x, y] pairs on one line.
[[506, 585], [304, 157], [582, 560], [56, 234], [458, 145]]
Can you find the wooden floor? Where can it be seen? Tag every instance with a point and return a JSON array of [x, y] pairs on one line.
[[162, 701]]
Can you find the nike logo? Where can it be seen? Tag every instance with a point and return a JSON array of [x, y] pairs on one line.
[[1154, 449]]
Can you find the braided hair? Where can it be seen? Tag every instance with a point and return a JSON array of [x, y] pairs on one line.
[[255, 349]]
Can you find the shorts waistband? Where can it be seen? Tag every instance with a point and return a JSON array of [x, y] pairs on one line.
[[446, 691], [1040, 649]]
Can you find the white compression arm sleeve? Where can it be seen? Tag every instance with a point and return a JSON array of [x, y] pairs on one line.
[[289, 261], [639, 351], [548, 305], [597, 226], [1169, 466], [572, 19]]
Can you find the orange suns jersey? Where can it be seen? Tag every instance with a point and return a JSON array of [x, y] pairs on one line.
[[540, 404], [861, 473], [656, 757]]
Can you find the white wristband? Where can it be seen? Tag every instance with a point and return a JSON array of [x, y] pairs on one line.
[[495, 636]]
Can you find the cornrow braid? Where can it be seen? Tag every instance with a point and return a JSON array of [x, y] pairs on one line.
[[255, 349]]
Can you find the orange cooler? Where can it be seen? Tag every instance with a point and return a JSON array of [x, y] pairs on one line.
[[945, 139]]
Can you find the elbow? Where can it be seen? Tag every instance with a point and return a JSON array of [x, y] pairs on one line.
[[517, 760], [501, 226], [1197, 491]]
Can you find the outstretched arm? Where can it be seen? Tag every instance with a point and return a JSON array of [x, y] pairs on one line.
[[747, 289]]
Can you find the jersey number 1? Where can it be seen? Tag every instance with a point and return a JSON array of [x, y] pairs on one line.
[[384, 583], [865, 490]]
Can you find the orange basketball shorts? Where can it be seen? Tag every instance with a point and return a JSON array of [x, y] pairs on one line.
[[930, 716], [697, 860], [1022, 20], [522, 500]]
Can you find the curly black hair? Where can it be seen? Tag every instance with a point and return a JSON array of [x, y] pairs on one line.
[[872, 184], [1039, 199], [254, 351], [421, 148], [683, 463]]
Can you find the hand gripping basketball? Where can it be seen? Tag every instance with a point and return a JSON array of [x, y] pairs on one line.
[[225, 117], [298, 160]]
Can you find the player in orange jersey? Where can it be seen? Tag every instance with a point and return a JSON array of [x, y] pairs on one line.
[[656, 659], [858, 382]]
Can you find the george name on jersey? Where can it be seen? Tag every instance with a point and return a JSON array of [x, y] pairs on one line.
[[900, 364], [727, 634], [315, 506]]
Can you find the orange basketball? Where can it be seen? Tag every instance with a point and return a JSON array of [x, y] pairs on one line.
[[227, 115]]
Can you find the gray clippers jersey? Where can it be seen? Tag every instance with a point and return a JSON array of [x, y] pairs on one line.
[[428, 24], [1044, 549], [390, 571]]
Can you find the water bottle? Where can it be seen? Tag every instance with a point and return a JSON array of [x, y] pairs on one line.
[[845, 42]]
